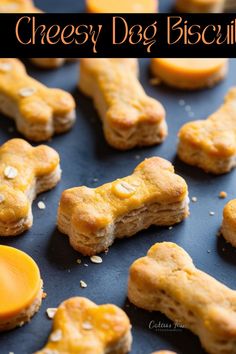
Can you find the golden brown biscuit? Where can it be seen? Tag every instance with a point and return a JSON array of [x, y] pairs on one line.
[[229, 222], [190, 74], [121, 6], [82, 327], [20, 288], [200, 6], [50, 63], [39, 111], [152, 195], [18, 6], [166, 280], [25, 171], [130, 118], [211, 144]]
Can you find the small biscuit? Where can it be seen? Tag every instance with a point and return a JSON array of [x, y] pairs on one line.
[[25, 171], [211, 144], [50, 63], [121, 6], [229, 222], [38, 111], [205, 6], [166, 280], [82, 327], [20, 288], [18, 6], [130, 118], [190, 74], [94, 218]]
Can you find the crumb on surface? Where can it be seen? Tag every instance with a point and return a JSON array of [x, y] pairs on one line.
[[212, 213], [222, 195], [83, 284], [194, 199]]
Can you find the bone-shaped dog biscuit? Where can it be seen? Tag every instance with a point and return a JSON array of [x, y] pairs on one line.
[[211, 144], [18, 6], [205, 6], [152, 195], [25, 171], [166, 280], [130, 118], [228, 229], [38, 111], [82, 327]]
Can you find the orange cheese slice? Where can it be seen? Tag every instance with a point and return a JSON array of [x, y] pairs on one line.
[[122, 6], [189, 73], [19, 281]]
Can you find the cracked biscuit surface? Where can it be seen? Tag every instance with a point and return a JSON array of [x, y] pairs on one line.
[[94, 218], [211, 144], [38, 111], [82, 327], [130, 118], [25, 171], [166, 280]]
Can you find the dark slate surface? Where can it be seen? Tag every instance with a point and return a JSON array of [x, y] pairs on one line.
[[85, 156]]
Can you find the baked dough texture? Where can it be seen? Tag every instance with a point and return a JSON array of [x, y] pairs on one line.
[[211, 144], [166, 280], [130, 118], [50, 63], [205, 6], [39, 111], [121, 6], [82, 327], [25, 171], [228, 229], [18, 6], [20, 288], [191, 73], [94, 218]]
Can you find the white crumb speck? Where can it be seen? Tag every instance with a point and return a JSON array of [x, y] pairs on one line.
[[41, 205], [83, 284], [96, 259]]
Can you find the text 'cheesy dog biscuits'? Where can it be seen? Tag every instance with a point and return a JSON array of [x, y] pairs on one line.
[[38, 111], [130, 118], [166, 280], [205, 6], [20, 288], [50, 63], [121, 6], [82, 327], [191, 74], [152, 195], [211, 144], [18, 6], [228, 229], [25, 171]]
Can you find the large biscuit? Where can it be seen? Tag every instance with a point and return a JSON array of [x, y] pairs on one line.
[[94, 218], [38, 111], [205, 6], [130, 118], [25, 171], [82, 327], [20, 288], [166, 280], [211, 144], [228, 229]]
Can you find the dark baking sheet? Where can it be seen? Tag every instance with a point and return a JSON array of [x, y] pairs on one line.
[[85, 157]]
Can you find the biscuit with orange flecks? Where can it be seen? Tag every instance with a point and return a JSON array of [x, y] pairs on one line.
[[166, 280], [20, 288], [94, 218], [82, 327], [211, 144], [130, 118], [25, 171], [190, 74], [39, 111]]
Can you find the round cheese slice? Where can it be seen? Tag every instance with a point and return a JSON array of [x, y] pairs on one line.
[[122, 6], [20, 282], [194, 73]]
